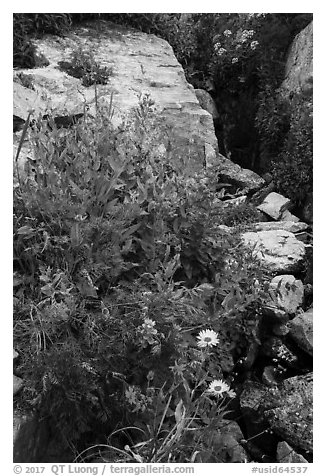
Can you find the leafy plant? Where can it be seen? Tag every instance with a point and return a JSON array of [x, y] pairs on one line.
[[293, 167], [120, 263], [82, 65]]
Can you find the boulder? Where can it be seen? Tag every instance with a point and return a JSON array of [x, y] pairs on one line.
[[287, 408], [274, 205], [224, 445], [278, 250], [207, 102], [288, 216], [141, 64], [250, 405], [299, 64], [301, 331], [286, 454], [243, 178], [286, 293]]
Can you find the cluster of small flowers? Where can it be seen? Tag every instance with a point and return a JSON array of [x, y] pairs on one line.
[[221, 51], [254, 44], [147, 333], [246, 35], [136, 399], [227, 32], [257, 15], [235, 60]]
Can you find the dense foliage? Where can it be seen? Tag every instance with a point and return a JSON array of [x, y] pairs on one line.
[[119, 263]]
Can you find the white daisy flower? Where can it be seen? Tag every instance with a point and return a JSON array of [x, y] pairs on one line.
[[207, 338], [217, 387]]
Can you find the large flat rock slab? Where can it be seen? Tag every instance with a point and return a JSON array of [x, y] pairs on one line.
[[140, 63]]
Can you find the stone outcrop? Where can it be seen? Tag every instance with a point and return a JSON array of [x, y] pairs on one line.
[[279, 250], [301, 331], [140, 63], [299, 64]]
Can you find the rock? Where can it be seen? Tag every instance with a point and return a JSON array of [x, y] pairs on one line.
[[293, 227], [224, 445], [278, 250], [18, 384], [274, 205], [26, 100], [288, 216], [287, 408], [234, 174], [299, 64], [250, 404], [15, 354], [301, 331], [141, 63], [286, 454], [287, 294], [207, 102]]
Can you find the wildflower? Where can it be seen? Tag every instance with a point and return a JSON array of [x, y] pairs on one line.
[[207, 338], [231, 393], [178, 368], [149, 325], [221, 51], [251, 33], [235, 60], [254, 44], [217, 46], [217, 387], [227, 32], [131, 395], [147, 332]]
